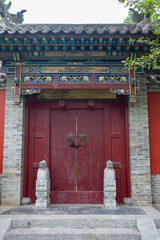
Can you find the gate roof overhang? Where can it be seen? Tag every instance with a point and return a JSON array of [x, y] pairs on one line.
[[36, 42], [89, 56]]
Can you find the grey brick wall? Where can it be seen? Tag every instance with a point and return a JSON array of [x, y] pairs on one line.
[[13, 150], [139, 148], [155, 183]]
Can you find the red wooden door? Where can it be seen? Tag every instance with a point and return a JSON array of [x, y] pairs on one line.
[[77, 173]]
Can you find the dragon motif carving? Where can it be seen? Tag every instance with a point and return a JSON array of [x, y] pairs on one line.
[[9, 18]]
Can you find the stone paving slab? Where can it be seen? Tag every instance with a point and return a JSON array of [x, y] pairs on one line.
[[74, 210]]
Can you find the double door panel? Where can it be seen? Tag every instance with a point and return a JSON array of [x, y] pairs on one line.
[[77, 173]]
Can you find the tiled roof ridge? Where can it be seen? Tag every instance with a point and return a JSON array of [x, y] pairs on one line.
[[76, 28]]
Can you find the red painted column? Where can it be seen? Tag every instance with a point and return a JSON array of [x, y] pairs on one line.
[[2, 116], [154, 130]]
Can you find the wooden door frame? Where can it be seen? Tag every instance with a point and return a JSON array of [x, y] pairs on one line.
[[31, 101]]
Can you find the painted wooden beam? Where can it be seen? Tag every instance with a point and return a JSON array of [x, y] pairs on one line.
[[44, 41], [38, 48], [129, 41], [9, 41], [100, 40], [17, 41], [26, 41], [75, 86], [20, 48], [82, 41], [35, 41], [76, 94], [72, 41], [29, 48], [3, 48], [63, 41], [16, 56], [110, 41], [54, 41], [2, 41], [91, 40], [47, 48], [11, 48], [120, 41]]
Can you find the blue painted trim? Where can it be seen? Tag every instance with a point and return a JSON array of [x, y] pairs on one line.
[[9, 71]]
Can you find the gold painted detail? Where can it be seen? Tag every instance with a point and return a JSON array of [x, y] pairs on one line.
[[75, 67], [12, 84], [37, 78], [111, 79], [120, 91], [119, 69], [72, 53], [32, 69], [30, 91], [74, 78]]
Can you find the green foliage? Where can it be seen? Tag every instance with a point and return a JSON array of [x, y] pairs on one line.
[[151, 9], [8, 5], [150, 60], [128, 20]]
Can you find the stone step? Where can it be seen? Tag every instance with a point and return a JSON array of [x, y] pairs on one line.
[[158, 229], [73, 221], [59, 233]]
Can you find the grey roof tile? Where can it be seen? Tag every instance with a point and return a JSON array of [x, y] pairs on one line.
[[76, 28]]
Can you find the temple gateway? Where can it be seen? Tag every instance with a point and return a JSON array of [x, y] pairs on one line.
[[66, 98]]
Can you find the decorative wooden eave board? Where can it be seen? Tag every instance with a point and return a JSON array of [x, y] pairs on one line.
[[42, 41], [37, 67], [76, 94], [116, 81]]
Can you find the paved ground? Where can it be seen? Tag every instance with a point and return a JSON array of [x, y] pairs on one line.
[[74, 210], [145, 219]]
